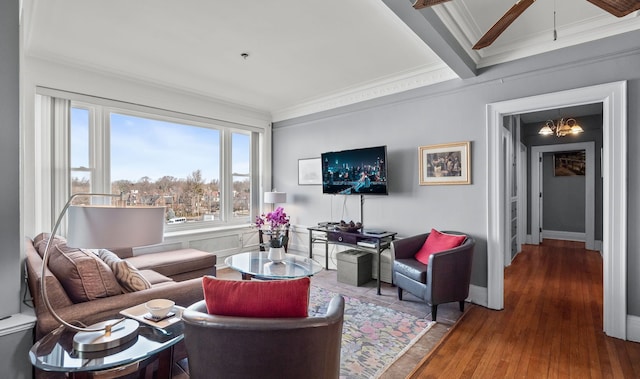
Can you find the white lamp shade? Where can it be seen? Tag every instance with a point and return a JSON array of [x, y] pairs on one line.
[[275, 197], [94, 227]]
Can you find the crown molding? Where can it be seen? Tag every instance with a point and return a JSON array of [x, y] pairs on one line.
[[387, 86]]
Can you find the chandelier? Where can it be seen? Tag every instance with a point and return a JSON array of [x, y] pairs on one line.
[[561, 127]]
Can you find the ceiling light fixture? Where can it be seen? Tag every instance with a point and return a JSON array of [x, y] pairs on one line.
[[561, 128]]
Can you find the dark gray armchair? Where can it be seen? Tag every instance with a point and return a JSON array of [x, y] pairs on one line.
[[445, 279], [241, 347]]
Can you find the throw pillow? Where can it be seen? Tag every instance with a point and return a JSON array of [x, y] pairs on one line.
[[83, 276], [437, 242], [128, 276], [249, 298], [40, 242]]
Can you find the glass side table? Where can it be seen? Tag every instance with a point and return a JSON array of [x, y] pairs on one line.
[[55, 353], [256, 264]]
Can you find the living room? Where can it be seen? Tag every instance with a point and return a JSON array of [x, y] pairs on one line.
[[451, 111]]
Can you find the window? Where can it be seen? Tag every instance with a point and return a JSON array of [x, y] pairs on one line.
[[155, 159]]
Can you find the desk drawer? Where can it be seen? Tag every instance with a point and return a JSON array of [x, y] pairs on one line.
[[351, 238]]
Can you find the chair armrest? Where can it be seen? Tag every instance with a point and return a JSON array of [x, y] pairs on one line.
[[449, 273], [408, 247]]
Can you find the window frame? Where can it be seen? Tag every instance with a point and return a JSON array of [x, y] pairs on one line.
[[100, 111]]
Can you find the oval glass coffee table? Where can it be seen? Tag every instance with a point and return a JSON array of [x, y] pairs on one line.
[[257, 265]]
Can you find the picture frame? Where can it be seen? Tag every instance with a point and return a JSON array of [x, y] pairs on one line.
[[309, 171], [447, 163], [570, 163]]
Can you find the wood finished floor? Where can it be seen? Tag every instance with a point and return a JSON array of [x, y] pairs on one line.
[[551, 326]]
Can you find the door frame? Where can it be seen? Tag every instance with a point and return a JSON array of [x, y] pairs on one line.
[[590, 196], [613, 97]]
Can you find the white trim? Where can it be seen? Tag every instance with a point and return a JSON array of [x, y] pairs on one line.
[[536, 182], [566, 236], [477, 295], [421, 77], [522, 195], [633, 328], [17, 323], [613, 96]]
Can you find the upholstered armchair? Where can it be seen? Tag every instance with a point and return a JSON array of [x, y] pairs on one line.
[[444, 279], [251, 347]]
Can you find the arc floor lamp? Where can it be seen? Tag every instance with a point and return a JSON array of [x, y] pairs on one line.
[[94, 226]]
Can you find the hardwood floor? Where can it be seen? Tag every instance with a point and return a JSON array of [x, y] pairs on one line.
[[551, 326]]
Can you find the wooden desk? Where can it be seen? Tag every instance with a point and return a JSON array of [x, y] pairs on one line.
[[377, 243]]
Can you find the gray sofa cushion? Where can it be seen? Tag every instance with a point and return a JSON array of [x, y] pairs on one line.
[[174, 263]]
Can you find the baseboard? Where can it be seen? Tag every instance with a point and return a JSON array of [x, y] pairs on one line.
[[633, 328], [478, 295], [566, 236]]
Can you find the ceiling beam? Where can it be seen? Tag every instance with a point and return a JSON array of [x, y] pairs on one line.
[[428, 26]]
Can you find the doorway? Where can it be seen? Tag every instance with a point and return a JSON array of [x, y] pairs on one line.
[[538, 195], [614, 169]]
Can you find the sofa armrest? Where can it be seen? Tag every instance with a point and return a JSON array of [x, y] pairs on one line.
[[183, 293], [408, 247]]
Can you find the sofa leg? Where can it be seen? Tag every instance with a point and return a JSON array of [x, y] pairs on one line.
[[399, 293], [434, 312], [462, 306]]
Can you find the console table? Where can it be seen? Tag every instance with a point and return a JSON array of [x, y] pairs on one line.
[[375, 243]]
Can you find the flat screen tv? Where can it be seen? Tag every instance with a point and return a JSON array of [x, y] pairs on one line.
[[355, 172]]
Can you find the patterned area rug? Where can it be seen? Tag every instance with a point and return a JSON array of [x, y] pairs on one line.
[[373, 336]]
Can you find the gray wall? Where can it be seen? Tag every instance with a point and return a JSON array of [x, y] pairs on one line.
[[14, 343], [10, 267], [592, 126], [450, 112], [563, 199]]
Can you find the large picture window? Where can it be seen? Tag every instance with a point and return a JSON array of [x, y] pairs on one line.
[[201, 171]]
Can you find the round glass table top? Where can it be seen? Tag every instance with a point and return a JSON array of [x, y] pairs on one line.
[[257, 264], [55, 351]]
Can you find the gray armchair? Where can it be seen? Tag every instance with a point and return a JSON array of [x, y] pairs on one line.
[[241, 347], [445, 279]]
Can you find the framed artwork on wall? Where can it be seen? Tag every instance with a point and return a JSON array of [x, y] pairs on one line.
[[570, 163], [309, 171], [448, 163]]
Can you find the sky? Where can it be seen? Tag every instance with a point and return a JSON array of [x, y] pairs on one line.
[[146, 147]]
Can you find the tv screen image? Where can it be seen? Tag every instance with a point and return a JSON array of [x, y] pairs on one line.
[[355, 172]]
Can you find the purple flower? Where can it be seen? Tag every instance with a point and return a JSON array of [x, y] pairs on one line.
[[275, 222]]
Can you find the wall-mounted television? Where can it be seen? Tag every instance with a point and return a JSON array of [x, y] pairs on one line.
[[355, 172]]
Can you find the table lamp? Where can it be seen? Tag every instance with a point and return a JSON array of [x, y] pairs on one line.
[[274, 197], [92, 227]]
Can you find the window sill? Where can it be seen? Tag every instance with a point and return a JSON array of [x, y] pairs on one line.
[[206, 230]]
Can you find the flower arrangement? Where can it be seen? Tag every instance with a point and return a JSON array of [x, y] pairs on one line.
[[275, 224]]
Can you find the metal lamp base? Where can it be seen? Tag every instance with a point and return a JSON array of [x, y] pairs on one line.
[[121, 333]]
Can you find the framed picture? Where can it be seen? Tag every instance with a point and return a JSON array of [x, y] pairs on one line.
[[570, 163], [309, 171], [448, 163]]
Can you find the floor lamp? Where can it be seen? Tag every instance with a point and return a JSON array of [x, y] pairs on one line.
[[93, 227]]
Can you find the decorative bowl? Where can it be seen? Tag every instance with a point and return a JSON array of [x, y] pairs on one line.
[[159, 307]]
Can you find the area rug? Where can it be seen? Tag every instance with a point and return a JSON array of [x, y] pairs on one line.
[[373, 336]]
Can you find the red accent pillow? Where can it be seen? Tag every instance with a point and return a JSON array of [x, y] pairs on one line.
[[247, 298], [437, 242]]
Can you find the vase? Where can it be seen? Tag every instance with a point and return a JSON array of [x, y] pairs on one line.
[[276, 254]]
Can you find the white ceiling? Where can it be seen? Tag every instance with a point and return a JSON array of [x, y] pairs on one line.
[[303, 56]]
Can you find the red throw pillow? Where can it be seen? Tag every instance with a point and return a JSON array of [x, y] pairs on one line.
[[436, 242], [247, 298]]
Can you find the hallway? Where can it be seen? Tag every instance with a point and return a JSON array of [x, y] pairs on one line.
[[551, 326]]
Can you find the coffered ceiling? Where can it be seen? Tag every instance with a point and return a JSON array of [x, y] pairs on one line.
[[301, 56]]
